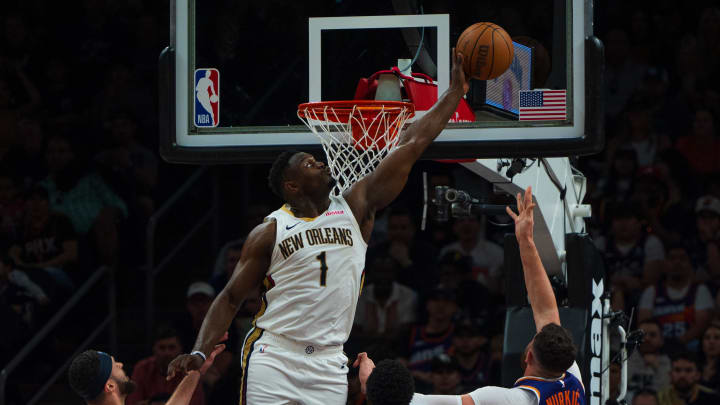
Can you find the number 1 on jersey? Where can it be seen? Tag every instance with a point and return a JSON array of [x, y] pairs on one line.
[[323, 268]]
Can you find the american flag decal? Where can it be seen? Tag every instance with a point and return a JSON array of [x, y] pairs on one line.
[[542, 105]]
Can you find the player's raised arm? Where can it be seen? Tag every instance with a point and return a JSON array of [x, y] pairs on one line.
[[382, 186], [248, 275], [540, 293]]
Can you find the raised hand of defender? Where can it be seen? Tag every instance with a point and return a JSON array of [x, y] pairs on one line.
[[184, 363], [458, 73], [524, 218], [366, 367]]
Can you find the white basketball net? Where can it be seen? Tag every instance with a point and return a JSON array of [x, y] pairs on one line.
[[376, 137]]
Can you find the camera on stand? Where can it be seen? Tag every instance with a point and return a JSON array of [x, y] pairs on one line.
[[460, 204]]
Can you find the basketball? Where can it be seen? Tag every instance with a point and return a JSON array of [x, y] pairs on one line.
[[213, 98], [487, 49]]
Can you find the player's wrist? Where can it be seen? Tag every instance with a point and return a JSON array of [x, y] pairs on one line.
[[199, 354]]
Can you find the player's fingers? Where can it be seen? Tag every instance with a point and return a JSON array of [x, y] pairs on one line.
[[511, 213], [528, 195], [519, 200]]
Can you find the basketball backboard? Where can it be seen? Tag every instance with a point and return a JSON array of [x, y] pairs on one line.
[[235, 72]]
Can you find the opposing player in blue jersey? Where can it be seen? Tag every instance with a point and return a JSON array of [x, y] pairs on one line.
[[551, 375]]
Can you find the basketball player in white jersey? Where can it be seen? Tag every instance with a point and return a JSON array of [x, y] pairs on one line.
[[309, 257]]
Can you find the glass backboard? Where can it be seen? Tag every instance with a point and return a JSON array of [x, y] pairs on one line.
[[235, 72]]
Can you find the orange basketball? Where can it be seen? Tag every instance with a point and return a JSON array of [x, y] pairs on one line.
[[487, 49]]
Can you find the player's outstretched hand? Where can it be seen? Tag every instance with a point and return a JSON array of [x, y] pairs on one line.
[[524, 218], [188, 362], [366, 367], [211, 359], [182, 364], [458, 73]]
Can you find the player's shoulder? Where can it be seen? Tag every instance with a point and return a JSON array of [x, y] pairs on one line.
[[263, 234]]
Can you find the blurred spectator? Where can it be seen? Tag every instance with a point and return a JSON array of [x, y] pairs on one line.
[[684, 388], [471, 349], [415, 257], [614, 379], [91, 205], [446, 376], [682, 307], [15, 101], [710, 357], [632, 256], [618, 184], [703, 247], [701, 147], [386, 307], [622, 75], [150, 373], [231, 253], [708, 42], [487, 256], [640, 135], [645, 397], [198, 299], [473, 299], [648, 367], [674, 185], [47, 241], [11, 209], [428, 340], [27, 160], [65, 107], [19, 299], [128, 167]]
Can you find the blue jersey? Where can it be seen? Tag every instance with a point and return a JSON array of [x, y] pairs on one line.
[[566, 390]]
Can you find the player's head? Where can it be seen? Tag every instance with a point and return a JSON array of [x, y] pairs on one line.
[[390, 383], [297, 174], [96, 376], [551, 352]]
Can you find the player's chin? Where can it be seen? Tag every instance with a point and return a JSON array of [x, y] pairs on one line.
[[331, 182]]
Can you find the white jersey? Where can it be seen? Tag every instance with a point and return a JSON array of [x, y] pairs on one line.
[[315, 276]]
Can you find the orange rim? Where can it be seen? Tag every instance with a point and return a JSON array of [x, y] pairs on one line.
[[344, 108]]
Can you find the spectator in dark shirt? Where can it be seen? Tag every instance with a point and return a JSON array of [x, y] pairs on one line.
[[425, 341], [705, 245], [684, 378], [92, 207], [710, 357], [471, 349], [47, 241], [11, 209], [416, 257], [446, 376]]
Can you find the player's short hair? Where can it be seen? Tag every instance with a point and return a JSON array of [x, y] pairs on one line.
[[390, 383], [83, 373], [277, 172], [554, 348]]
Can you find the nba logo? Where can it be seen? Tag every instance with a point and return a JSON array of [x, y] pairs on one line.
[[207, 98]]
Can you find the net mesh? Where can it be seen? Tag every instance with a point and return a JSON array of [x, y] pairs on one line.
[[355, 138]]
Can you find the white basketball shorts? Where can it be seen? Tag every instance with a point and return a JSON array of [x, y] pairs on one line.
[[280, 371]]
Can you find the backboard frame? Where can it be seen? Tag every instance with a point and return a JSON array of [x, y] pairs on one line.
[[585, 114]]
